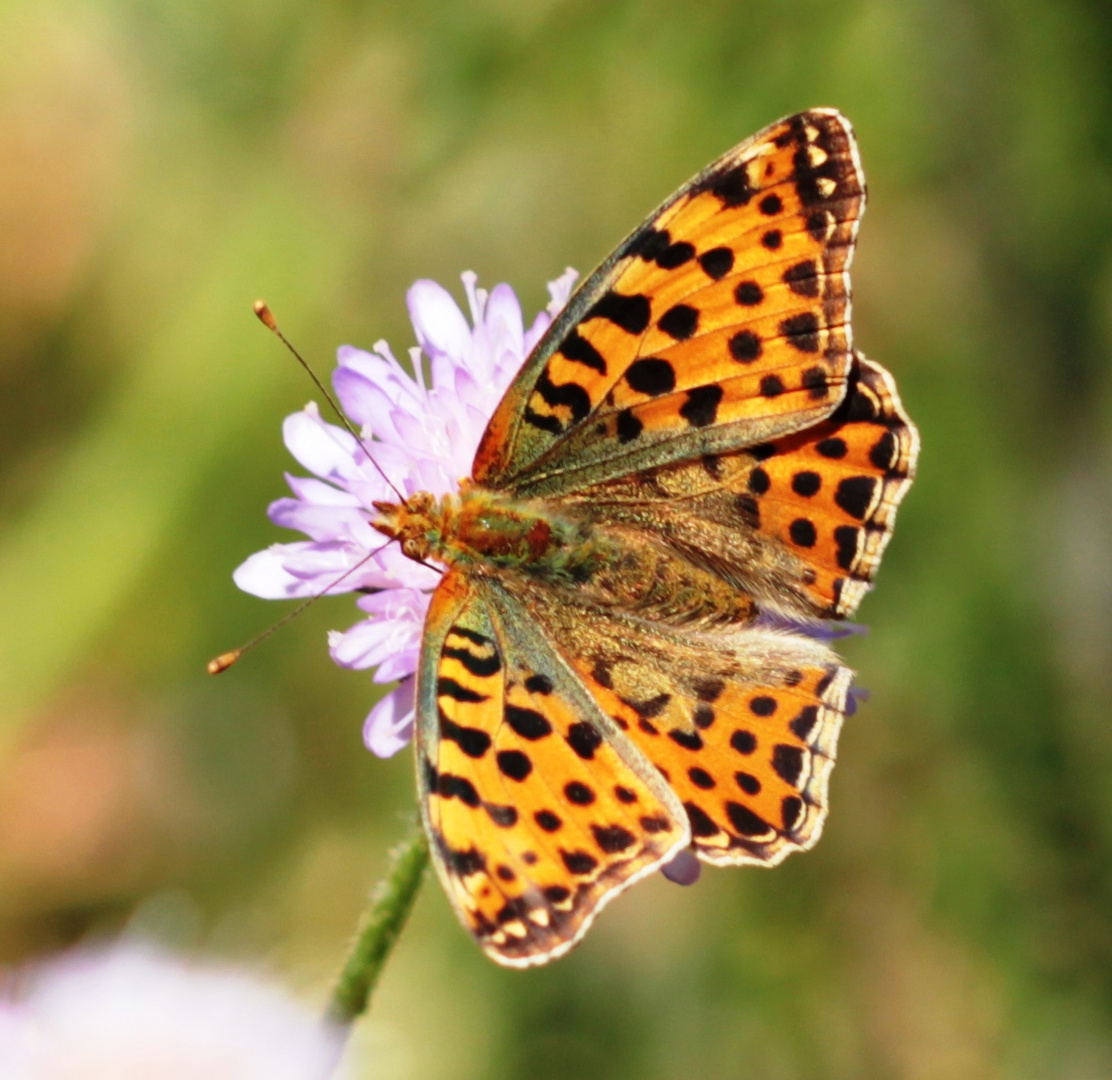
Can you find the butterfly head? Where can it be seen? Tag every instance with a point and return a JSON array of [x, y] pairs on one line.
[[416, 523]]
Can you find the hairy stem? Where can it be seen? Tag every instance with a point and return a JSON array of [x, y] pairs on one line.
[[391, 903]]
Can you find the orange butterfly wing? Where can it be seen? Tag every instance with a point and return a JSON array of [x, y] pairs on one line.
[[721, 322], [538, 809], [742, 724]]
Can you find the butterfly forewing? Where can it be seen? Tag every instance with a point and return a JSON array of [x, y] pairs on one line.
[[536, 816], [721, 322]]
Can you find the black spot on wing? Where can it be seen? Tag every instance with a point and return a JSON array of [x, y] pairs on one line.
[[675, 255], [545, 423], [570, 395], [689, 740], [749, 510], [883, 451], [528, 723], [679, 322], [578, 348], [578, 862], [731, 185], [701, 823], [503, 816], [834, 448], [628, 426], [472, 741], [612, 838], [802, 278], [745, 346], [654, 823], [803, 533], [787, 761], [547, 820], [447, 687], [631, 313], [772, 386], [652, 376], [584, 738], [717, 262], [470, 635], [790, 808], [538, 684], [745, 821], [744, 742], [806, 483], [845, 537], [701, 407], [815, 382], [759, 481], [514, 764], [579, 793], [457, 787], [749, 294], [700, 778], [709, 689], [464, 863], [481, 666], [802, 331], [803, 723], [854, 494], [655, 245]]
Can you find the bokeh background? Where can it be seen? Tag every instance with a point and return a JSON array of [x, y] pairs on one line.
[[162, 163]]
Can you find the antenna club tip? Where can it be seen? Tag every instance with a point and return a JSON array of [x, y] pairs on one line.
[[223, 661], [265, 315]]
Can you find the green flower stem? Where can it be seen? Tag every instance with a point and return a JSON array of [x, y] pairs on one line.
[[391, 903]]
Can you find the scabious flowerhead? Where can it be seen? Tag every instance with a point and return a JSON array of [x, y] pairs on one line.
[[423, 436], [131, 1012]]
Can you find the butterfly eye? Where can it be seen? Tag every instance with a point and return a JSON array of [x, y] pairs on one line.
[[413, 548]]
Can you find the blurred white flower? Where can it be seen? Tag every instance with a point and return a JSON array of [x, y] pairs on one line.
[[134, 1013]]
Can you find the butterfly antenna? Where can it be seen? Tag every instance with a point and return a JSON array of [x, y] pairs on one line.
[[225, 660], [266, 317]]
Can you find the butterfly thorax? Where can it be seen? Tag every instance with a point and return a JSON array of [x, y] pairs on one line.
[[485, 527], [536, 541]]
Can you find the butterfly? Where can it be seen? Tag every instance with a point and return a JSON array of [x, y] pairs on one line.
[[692, 465]]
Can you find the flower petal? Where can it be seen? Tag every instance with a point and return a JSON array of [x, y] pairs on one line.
[[440, 326], [321, 448], [320, 492], [389, 725]]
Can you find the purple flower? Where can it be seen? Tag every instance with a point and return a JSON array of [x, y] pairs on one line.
[[424, 437]]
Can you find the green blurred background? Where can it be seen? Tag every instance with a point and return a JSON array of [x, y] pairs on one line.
[[162, 163]]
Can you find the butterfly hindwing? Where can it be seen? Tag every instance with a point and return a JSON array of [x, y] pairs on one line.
[[536, 816], [799, 523], [742, 724], [830, 493], [721, 322]]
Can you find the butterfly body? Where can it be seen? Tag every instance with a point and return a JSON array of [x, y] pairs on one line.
[[608, 563], [692, 465]]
